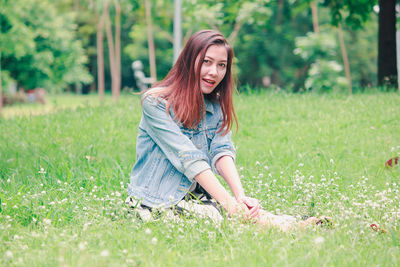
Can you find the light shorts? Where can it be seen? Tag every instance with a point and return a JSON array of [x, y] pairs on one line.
[[204, 208]]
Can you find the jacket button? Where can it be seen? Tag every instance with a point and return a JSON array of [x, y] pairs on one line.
[[199, 146]]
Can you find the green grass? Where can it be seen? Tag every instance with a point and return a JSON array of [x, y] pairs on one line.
[[64, 173]]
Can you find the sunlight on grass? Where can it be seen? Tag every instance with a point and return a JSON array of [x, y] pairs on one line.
[[53, 104]]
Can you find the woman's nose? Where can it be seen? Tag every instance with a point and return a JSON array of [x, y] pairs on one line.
[[213, 70]]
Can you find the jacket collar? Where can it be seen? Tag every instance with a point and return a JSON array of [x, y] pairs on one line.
[[209, 106]]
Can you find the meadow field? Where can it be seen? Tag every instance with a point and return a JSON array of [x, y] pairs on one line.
[[64, 170]]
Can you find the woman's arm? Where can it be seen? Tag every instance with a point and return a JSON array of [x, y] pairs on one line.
[[211, 184], [227, 169]]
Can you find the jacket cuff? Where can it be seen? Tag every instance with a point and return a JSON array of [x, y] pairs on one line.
[[218, 156], [195, 168]]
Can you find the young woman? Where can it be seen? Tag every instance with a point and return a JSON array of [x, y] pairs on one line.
[[185, 139]]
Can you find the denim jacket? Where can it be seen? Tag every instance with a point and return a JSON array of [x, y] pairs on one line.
[[169, 156]]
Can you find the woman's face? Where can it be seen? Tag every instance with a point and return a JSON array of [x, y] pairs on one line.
[[213, 68]]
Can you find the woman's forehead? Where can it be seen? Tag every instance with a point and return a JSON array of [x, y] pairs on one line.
[[217, 52]]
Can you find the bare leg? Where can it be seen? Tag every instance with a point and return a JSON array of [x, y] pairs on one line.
[[287, 222]]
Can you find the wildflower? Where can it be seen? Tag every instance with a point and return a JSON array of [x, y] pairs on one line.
[[125, 251], [42, 171], [82, 245], [154, 240], [9, 254], [8, 181], [105, 253], [148, 231], [257, 163], [319, 240], [301, 164], [117, 194], [47, 221]]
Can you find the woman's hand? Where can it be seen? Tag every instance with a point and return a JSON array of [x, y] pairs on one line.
[[252, 205]]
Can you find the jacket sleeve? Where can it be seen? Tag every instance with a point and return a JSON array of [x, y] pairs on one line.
[[165, 132], [221, 145]]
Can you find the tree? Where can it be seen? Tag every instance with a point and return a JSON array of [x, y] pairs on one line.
[[114, 47], [150, 41], [387, 63], [39, 48], [355, 14]]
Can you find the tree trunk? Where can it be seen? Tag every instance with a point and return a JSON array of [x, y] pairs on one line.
[[111, 52], [236, 28], [279, 16], [387, 63], [150, 41], [314, 12], [118, 44], [345, 59], [100, 56], [1, 87]]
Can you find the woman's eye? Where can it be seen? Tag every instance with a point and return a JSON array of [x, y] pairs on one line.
[[223, 65], [206, 61]]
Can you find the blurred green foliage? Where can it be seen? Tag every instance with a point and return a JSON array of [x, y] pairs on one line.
[[320, 50], [53, 44], [38, 46]]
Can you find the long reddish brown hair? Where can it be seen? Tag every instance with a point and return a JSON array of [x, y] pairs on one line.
[[183, 83]]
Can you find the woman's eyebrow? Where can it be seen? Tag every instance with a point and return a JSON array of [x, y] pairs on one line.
[[214, 59]]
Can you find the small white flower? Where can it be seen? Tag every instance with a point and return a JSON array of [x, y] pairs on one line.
[[47, 221], [154, 240], [117, 194], [42, 171], [9, 254], [257, 163], [105, 253], [332, 161], [147, 231], [34, 219], [8, 181], [301, 164], [82, 245], [125, 251], [319, 240]]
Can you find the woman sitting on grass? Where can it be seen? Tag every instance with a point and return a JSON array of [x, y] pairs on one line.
[[185, 139]]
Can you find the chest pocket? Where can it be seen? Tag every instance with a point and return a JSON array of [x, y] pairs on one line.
[[198, 138]]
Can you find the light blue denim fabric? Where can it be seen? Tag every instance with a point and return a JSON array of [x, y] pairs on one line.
[[169, 156]]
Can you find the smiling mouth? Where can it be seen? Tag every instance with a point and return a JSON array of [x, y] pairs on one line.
[[209, 82]]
